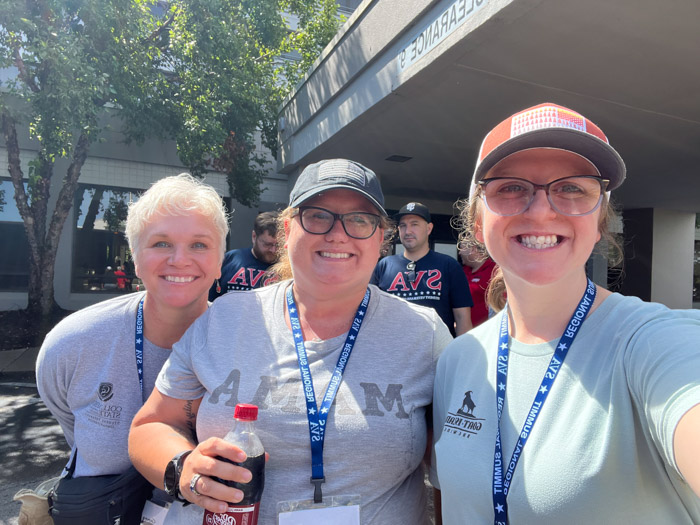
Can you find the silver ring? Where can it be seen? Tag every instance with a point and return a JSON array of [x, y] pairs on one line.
[[193, 483]]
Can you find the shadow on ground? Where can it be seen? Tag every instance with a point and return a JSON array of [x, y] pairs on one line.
[[32, 447], [31, 444]]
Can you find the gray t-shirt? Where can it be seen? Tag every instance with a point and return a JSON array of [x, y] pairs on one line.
[[242, 351], [601, 450], [86, 374]]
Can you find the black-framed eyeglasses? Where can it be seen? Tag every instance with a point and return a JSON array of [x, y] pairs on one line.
[[357, 224], [411, 267], [573, 196]]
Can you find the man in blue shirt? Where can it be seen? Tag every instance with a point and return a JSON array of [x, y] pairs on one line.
[[424, 276], [245, 268]]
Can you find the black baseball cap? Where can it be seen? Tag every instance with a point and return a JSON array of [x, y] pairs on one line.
[[334, 174], [414, 208]]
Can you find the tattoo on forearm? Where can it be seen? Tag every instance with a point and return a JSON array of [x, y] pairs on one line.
[[191, 418]]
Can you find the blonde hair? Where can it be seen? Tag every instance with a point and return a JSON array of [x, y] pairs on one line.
[[282, 269], [179, 195], [609, 246]]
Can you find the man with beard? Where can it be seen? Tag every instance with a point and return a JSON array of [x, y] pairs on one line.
[[245, 268], [424, 276]]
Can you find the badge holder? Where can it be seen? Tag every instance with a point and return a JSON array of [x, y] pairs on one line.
[[155, 511], [338, 510]]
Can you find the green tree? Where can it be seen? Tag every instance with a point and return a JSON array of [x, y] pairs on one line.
[[116, 212], [204, 73]]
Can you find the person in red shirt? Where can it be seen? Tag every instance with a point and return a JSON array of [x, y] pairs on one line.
[[121, 279], [478, 271]]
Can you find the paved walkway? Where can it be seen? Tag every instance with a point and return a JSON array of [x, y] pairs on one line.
[[32, 446]]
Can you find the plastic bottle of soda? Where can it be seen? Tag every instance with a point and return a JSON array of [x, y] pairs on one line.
[[244, 437]]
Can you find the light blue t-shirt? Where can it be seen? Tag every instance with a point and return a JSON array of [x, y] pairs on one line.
[[602, 448]]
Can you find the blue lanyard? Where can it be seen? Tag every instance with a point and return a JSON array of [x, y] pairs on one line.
[[138, 345], [317, 417], [501, 486]]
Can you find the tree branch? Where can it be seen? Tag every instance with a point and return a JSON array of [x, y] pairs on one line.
[[23, 73], [9, 131], [156, 34], [67, 192]]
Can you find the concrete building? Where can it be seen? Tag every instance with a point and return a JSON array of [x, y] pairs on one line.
[[92, 240], [410, 87]]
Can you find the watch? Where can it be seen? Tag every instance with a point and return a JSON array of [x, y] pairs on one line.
[[173, 471]]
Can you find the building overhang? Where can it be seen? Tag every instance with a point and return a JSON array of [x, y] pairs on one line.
[[427, 80]]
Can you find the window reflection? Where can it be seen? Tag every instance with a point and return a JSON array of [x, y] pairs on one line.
[[14, 248], [102, 262]]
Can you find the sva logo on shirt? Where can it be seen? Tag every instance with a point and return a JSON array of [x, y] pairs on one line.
[[432, 281], [463, 422], [247, 281]]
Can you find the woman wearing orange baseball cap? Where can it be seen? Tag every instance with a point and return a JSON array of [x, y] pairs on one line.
[[573, 404]]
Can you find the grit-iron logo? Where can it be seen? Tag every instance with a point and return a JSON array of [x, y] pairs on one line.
[[463, 422], [106, 391]]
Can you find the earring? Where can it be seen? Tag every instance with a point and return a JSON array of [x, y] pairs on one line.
[[218, 286]]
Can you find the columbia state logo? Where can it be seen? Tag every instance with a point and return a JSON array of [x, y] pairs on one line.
[[463, 422], [106, 391]]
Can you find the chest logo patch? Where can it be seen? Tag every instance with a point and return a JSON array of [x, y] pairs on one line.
[[463, 422], [105, 391]]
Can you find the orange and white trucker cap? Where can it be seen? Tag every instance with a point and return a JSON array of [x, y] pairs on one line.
[[550, 126]]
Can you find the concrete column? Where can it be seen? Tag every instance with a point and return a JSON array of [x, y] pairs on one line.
[[672, 258]]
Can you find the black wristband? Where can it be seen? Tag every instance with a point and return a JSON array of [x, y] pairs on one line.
[[173, 471]]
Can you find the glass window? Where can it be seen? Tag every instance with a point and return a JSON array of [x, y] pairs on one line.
[[102, 262], [14, 248]]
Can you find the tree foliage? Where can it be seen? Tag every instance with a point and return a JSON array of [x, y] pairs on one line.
[[204, 73]]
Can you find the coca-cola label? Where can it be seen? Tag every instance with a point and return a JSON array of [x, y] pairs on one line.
[[244, 515]]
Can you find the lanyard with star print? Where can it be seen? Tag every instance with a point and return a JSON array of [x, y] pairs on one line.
[[138, 344], [317, 417], [501, 484]]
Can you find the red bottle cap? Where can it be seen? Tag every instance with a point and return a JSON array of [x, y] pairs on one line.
[[246, 412]]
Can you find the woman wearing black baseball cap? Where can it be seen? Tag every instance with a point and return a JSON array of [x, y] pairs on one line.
[[341, 371], [573, 404]]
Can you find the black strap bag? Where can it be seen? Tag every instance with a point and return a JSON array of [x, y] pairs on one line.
[[116, 499]]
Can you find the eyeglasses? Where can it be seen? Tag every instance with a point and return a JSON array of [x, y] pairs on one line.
[[411, 267], [268, 245], [573, 196], [319, 221]]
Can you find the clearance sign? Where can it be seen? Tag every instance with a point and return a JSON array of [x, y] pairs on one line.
[[437, 30]]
